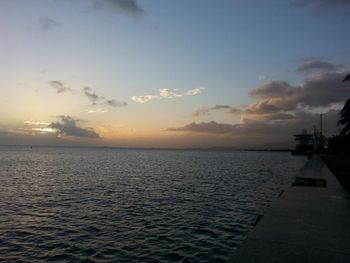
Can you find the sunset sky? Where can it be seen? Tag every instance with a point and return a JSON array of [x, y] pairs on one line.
[[162, 73]]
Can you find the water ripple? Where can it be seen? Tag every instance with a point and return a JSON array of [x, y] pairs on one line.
[[103, 205]]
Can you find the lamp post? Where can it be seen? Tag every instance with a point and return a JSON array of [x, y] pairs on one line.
[[321, 133]]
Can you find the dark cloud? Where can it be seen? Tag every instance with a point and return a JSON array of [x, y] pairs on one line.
[[43, 139], [68, 127], [270, 106], [249, 129], [321, 90], [322, 3], [278, 116], [274, 89], [59, 87], [207, 127], [282, 109], [129, 7], [263, 107], [229, 109], [46, 23], [324, 90], [322, 66], [206, 111]]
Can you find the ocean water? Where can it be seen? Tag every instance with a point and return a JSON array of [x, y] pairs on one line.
[[131, 205]]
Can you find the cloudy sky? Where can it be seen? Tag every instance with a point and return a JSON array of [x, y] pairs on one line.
[[156, 73]]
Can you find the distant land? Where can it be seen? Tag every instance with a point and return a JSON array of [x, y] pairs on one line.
[[218, 148]]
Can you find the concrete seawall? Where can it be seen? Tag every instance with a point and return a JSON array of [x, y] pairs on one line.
[[310, 222]]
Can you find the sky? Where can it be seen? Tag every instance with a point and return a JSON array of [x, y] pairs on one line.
[[162, 73]]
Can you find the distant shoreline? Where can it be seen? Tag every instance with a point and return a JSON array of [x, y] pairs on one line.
[[216, 149]]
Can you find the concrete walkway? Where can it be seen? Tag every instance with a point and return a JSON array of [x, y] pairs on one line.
[[306, 224]]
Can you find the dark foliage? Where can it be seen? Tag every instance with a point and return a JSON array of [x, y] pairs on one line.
[[345, 119], [340, 144]]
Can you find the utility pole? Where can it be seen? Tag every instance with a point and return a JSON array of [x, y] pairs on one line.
[[321, 133]]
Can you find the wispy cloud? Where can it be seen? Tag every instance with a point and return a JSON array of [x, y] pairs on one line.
[[35, 127], [116, 103], [43, 130], [144, 98], [168, 94], [195, 91], [318, 65], [91, 95], [36, 123], [129, 7], [88, 92], [261, 77], [201, 112], [59, 87], [98, 110], [101, 100], [206, 110], [47, 24], [67, 126]]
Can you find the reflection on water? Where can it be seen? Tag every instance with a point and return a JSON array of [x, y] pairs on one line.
[[133, 205]]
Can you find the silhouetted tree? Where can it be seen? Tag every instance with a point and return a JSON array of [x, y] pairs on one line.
[[336, 144], [347, 78], [345, 119], [345, 114], [340, 144]]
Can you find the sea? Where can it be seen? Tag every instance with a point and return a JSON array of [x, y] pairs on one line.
[[134, 205]]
